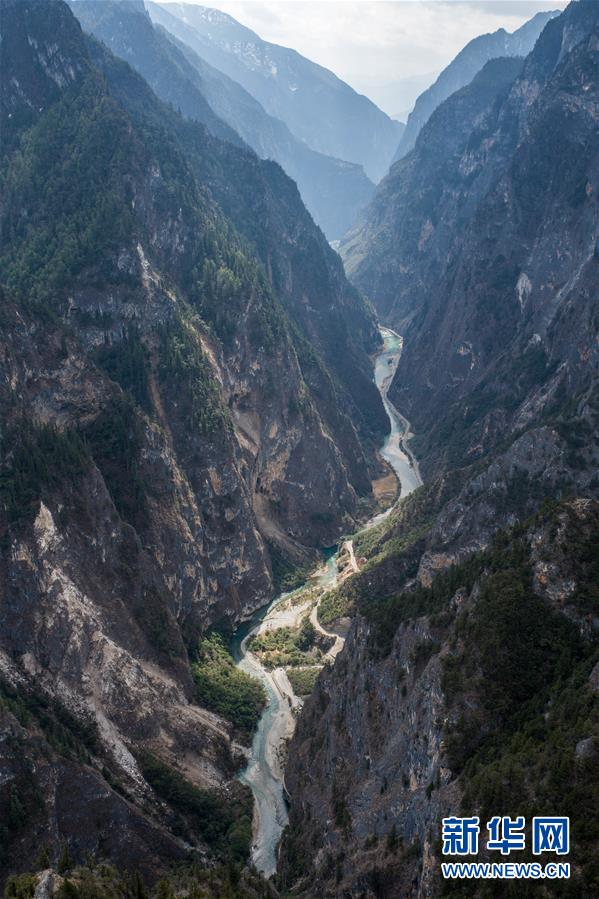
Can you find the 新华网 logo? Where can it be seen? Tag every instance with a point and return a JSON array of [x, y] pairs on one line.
[[505, 835], [549, 834]]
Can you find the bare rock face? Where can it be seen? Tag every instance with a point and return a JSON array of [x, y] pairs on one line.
[[480, 248], [468, 680], [408, 727], [369, 768], [172, 418], [58, 795]]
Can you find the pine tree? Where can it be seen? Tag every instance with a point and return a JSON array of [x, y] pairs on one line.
[[43, 860], [64, 860]]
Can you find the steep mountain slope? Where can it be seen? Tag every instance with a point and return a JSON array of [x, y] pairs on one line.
[[469, 682], [334, 191], [169, 429], [476, 695], [125, 26], [464, 67], [466, 232], [308, 276], [318, 108], [423, 187]]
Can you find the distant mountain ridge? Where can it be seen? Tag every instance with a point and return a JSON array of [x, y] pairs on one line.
[[125, 27], [464, 67], [318, 108], [333, 190]]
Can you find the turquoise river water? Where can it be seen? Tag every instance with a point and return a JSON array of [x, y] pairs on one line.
[[264, 771]]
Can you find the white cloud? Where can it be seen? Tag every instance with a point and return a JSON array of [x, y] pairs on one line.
[[374, 42]]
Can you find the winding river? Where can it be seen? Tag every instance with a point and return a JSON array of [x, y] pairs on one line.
[[265, 768]]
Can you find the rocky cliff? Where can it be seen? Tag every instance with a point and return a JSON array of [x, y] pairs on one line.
[[476, 694], [176, 422], [469, 682], [464, 67], [463, 247]]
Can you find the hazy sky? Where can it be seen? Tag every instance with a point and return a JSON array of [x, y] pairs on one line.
[[370, 44]]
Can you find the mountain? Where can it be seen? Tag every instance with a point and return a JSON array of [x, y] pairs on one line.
[[469, 681], [464, 67], [181, 358], [471, 695], [319, 109], [334, 191], [458, 246], [188, 416], [420, 189], [124, 25]]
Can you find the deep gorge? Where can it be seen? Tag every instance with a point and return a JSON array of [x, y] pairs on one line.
[[265, 773], [257, 638]]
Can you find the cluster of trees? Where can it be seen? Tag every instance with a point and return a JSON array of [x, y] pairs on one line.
[[69, 177], [184, 368], [335, 604], [224, 689], [303, 679], [223, 289], [103, 881], [34, 458], [221, 820], [114, 441], [287, 646], [126, 362], [286, 575]]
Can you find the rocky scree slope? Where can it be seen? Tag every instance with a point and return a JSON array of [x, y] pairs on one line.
[[162, 401], [333, 190], [469, 678]]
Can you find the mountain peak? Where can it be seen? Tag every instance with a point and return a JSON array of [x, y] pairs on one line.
[[45, 54], [464, 67], [319, 108]]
